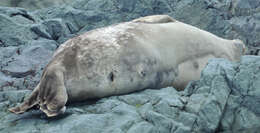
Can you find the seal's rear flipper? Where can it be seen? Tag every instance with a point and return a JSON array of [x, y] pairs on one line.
[[53, 94], [27, 104]]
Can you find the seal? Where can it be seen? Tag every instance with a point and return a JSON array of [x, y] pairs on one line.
[[149, 52]]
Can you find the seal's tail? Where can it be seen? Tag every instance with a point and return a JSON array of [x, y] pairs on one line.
[[52, 95], [28, 103]]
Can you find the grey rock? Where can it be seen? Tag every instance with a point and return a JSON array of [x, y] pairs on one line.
[[53, 29], [15, 34], [31, 59], [13, 96], [33, 4], [209, 105], [242, 111]]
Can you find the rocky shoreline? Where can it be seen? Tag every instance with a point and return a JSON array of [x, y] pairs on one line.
[[226, 99]]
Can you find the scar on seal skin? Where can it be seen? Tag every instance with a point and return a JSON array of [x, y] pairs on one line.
[[149, 52]]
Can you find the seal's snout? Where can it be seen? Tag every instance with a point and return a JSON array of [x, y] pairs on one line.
[[241, 46]]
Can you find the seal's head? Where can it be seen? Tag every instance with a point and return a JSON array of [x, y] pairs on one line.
[[240, 46], [239, 49]]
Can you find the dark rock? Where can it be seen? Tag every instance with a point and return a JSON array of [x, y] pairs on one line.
[[53, 29], [33, 4]]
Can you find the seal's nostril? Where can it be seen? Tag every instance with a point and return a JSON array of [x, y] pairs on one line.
[[143, 73]]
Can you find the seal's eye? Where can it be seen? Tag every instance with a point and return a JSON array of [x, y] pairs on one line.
[[111, 76], [143, 73]]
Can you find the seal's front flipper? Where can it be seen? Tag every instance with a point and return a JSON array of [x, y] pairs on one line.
[[155, 19], [27, 104]]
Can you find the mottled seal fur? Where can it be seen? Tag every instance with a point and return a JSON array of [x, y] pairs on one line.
[[149, 52]]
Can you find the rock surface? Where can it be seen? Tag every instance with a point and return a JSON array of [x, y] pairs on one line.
[[226, 99], [33, 4]]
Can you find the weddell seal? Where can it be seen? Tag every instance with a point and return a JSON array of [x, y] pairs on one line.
[[148, 52]]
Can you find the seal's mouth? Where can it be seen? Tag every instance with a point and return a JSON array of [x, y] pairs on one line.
[[245, 49]]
